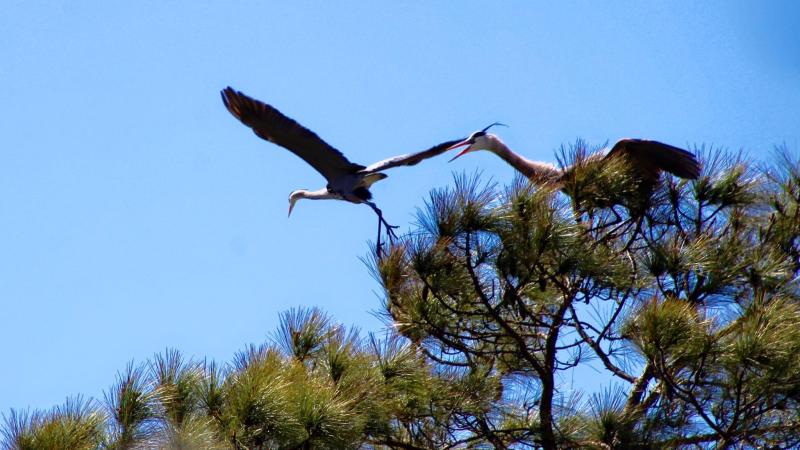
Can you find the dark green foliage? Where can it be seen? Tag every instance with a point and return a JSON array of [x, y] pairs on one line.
[[133, 406], [177, 382], [78, 425], [318, 387]]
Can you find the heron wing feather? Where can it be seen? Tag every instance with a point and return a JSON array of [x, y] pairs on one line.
[[649, 158], [409, 159], [270, 124]]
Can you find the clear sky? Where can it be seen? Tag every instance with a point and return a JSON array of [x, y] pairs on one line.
[[136, 214]]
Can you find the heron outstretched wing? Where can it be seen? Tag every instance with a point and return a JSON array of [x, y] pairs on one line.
[[649, 158], [268, 123], [409, 159]]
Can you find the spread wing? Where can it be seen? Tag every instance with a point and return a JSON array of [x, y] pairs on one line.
[[268, 123], [409, 159], [649, 158]]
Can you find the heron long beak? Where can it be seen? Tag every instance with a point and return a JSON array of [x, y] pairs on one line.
[[467, 142], [291, 205]]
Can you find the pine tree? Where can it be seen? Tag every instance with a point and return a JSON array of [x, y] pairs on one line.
[[691, 304]]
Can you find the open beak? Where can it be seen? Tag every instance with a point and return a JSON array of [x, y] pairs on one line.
[[467, 142]]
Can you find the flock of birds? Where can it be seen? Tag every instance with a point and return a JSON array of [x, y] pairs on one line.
[[351, 182]]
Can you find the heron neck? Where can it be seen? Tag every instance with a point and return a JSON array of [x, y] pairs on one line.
[[319, 194], [537, 172]]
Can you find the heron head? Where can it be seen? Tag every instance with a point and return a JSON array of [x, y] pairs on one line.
[[294, 197], [479, 140]]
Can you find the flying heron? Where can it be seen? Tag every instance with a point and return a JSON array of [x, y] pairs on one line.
[[346, 180]]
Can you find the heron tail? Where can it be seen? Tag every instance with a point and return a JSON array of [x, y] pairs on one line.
[[372, 178]]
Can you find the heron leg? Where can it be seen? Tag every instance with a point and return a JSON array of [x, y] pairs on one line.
[[381, 221], [378, 243]]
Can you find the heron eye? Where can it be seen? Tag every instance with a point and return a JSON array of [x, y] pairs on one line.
[[478, 134]]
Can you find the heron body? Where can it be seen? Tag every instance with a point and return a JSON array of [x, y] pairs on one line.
[[353, 189], [347, 181]]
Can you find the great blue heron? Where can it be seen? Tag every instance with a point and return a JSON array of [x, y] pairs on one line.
[[645, 159], [346, 180]]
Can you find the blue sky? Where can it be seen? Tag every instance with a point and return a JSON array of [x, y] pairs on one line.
[[136, 214]]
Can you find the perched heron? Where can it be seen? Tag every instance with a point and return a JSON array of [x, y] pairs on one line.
[[346, 180], [645, 159]]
